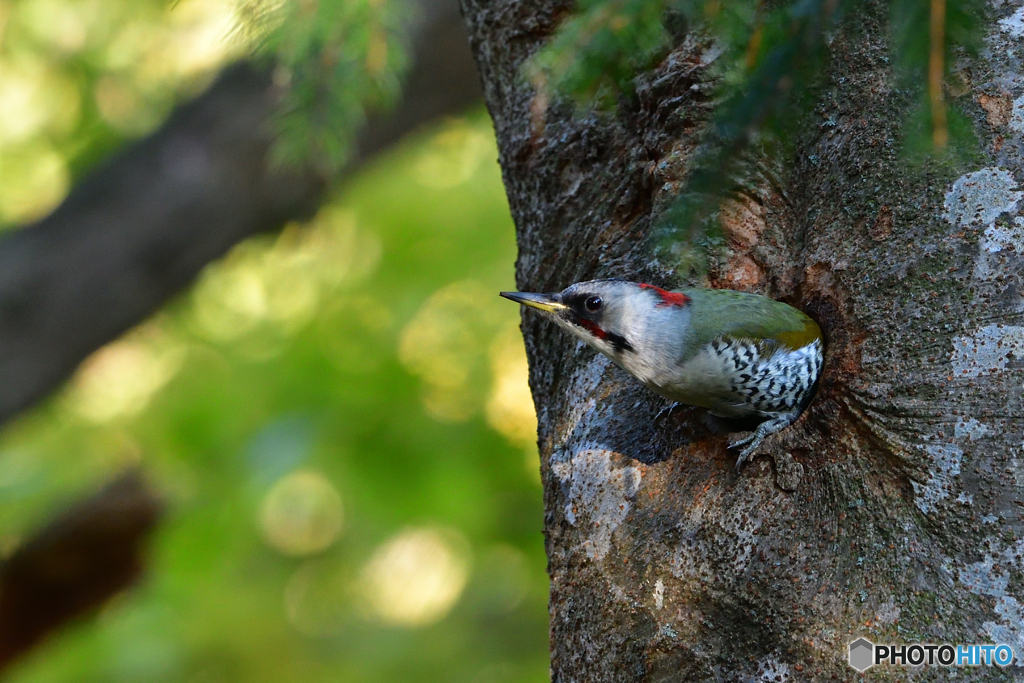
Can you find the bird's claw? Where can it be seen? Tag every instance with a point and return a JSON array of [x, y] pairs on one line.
[[754, 441], [741, 442]]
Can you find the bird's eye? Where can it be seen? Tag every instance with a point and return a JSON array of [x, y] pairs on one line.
[[593, 303]]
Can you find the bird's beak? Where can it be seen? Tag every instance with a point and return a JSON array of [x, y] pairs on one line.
[[544, 302]]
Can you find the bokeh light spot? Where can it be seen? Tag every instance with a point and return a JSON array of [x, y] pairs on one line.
[[302, 514], [443, 345], [453, 155], [416, 577], [123, 107], [266, 291], [33, 179], [22, 111], [510, 408], [120, 379]]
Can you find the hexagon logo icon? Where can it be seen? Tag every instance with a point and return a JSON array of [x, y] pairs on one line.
[[862, 653]]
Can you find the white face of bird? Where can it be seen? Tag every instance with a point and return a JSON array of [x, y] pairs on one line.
[[627, 321]]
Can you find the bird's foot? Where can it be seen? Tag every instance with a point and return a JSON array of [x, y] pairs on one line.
[[754, 440], [751, 442]]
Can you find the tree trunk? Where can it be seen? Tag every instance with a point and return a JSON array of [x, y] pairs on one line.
[[892, 509]]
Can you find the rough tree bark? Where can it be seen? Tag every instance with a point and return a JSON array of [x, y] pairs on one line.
[[892, 510]]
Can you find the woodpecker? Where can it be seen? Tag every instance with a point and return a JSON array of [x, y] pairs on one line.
[[736, 354]]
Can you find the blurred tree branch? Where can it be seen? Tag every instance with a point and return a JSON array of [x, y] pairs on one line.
[[77, 562], [132, 234], [141, 227]]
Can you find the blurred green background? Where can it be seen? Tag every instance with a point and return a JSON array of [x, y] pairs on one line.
[[337, 415]]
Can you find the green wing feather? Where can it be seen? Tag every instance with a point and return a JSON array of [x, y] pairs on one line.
[[739, 315]]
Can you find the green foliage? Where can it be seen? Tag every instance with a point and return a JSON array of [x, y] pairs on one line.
[[335, 60], [919, 130], [768, 74], [78, 79], [287, 369], [768, 88], [596, 53], [910, 21], [928, 36]]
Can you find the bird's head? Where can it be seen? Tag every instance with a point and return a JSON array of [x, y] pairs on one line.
[[618, 318]]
